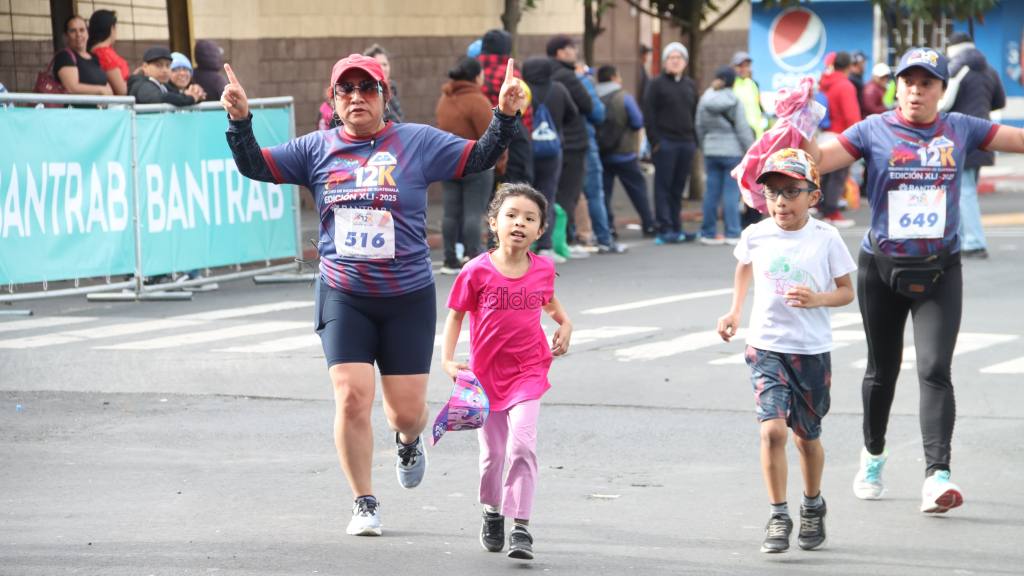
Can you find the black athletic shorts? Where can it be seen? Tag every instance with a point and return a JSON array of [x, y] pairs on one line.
[[395, 332]]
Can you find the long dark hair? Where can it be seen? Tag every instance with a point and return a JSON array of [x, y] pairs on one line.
[[100, 24]]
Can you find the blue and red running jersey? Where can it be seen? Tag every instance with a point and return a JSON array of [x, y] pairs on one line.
[[380, 182]]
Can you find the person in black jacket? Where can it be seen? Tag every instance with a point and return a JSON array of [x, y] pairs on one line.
[[149, 87], [561, 49], [538, 73], [975, 90], [670, 108]]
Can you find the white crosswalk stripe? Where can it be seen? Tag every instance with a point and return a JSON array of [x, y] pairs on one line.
[[46, 322], [666, 348], [586, 336], [1015, 366], [965, 343], [189, 338], [287, 344], [624, 343], [135, 327]]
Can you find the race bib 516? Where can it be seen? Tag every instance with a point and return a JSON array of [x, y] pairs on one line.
[[362, 233]]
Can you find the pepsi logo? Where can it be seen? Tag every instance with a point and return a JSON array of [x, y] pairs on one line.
[[796, 40]]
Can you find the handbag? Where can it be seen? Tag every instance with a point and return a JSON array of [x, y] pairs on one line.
[[913, 277], [46, 81]]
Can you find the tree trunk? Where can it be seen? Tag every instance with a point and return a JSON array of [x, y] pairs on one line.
[[589, 31], [510, 20], [696, 37]]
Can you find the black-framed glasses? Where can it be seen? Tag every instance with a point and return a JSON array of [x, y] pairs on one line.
[[787, 193], [365, 87]]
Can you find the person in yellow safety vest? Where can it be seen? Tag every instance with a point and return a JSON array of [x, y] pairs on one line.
[[747, 91]]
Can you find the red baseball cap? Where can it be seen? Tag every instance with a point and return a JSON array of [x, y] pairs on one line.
[[358, 62]]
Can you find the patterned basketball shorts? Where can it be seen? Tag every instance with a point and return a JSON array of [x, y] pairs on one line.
[[791, 386]]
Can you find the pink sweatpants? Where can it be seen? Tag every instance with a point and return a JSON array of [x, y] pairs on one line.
[[509, 440]]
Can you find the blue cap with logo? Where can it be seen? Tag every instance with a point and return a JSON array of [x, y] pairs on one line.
[[928, 59]]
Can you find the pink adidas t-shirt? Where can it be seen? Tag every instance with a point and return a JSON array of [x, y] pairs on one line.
[[509, 351]]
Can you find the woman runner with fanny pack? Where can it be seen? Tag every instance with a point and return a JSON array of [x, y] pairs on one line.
[[375, 299], [910, 259]]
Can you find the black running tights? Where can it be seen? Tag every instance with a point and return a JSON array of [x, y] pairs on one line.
[[936, 326]]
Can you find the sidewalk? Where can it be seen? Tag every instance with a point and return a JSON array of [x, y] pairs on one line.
[[1006, 176]]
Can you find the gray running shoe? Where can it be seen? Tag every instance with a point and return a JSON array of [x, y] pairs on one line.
[[812, 527], [365, 517], [412, 462], [776, 534], [520, 543]]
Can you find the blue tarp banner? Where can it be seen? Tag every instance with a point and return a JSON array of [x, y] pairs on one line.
[[67, 194]]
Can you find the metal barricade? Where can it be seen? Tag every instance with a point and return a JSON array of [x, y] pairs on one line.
[[136, 289]]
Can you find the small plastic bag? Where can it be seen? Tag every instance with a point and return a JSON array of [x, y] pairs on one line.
[[807, 119]]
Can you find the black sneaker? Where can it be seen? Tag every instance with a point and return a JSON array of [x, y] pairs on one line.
[[776, 534], [979, 253], [520, 544], [492, 533], [812, 527]]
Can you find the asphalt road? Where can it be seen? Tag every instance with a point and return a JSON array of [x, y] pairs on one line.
[[195, 438]]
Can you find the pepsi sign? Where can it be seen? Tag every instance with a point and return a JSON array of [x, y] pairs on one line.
[[797, 40], [788, 44]]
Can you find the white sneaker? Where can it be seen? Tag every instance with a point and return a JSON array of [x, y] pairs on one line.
[[365, 517], [711, 241], [577, 251], [732, 241], [555, 257], [939, 495], [867, 484]]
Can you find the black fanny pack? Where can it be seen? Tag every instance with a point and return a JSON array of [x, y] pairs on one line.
[[912, 276]]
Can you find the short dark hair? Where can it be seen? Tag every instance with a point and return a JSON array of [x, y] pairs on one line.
[[558, 42], [376, 49], [606, 73], [512, 189], [466, 69], [842, 61], [100, 24]]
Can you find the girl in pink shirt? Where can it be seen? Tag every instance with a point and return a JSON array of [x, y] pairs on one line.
[[504, 292]]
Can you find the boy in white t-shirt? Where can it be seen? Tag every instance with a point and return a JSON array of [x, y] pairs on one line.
[[799, 266]]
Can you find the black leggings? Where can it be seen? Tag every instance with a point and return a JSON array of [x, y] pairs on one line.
[[936, 326]]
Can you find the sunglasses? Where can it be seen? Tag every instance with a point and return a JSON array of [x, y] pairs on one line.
[[365, 87], [787, 193]]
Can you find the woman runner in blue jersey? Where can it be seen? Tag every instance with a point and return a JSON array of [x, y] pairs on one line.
[[375, 298], [910, 259]]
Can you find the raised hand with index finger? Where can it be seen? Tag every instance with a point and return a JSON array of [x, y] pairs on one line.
[[511, 98], [233, 99]]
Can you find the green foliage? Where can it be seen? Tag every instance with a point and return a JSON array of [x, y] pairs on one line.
[[927, 10], [932, 10]]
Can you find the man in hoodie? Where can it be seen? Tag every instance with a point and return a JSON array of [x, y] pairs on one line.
[[670, 106], [209, 72], [975, 90], [561, 49], [619, 147], [843, 112], [150, 87], [538, 72]]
